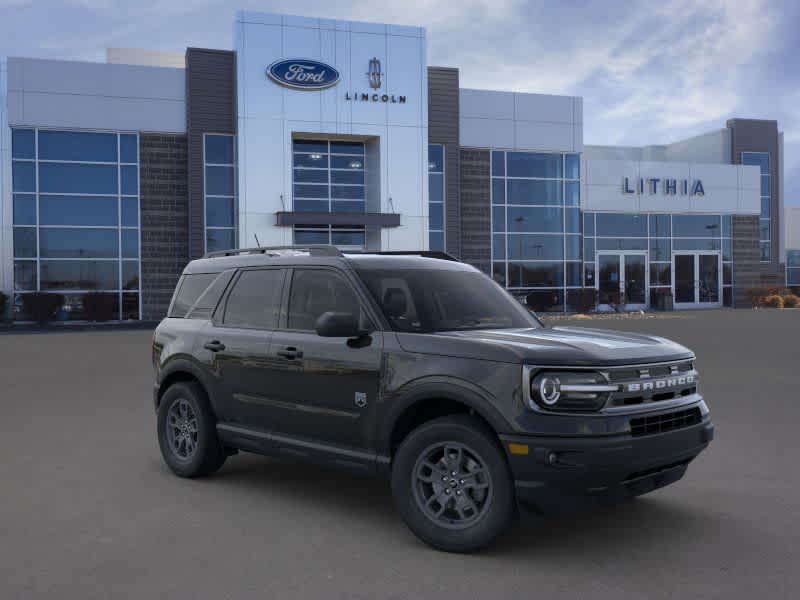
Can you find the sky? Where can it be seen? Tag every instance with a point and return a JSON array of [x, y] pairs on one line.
[[649, 72]]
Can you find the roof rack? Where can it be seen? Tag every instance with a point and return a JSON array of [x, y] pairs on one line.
[[312, 249], [423, 253]]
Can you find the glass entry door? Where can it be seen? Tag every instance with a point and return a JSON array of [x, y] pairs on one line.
[[622, 279], [697, 279]]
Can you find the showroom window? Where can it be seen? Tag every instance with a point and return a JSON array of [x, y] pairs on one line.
[[793, 268], [659, 235], [761, 160], [76, 221], [436, 197], [219, 159], [536, 241], [328, 176]]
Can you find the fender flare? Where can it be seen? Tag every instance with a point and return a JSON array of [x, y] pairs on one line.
[[185, 364]]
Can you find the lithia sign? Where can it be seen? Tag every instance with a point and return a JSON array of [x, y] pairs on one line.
[[306, 74], [667, 186]]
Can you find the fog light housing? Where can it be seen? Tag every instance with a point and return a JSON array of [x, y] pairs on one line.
[[570, 390]]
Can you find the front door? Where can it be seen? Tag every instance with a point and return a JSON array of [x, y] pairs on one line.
[[697, 279], [622, 279], [321, 388]]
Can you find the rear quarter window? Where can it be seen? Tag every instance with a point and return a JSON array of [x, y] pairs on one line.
[[190, 289]]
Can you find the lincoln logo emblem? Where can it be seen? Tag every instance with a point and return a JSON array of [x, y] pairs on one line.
[[374, 74]]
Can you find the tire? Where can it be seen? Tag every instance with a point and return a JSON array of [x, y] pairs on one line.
[[190, 447], [480, 502]]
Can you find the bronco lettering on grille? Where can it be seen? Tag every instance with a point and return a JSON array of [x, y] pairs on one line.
[[660, 384]]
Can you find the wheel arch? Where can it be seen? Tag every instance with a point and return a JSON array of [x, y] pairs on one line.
[[183, 370]]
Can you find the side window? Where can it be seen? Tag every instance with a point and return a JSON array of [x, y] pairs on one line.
[[254, 300], [189, 290], [204, 307], [318, 291]]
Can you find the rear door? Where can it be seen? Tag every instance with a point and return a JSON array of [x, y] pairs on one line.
[[321, 388], [235, 342]]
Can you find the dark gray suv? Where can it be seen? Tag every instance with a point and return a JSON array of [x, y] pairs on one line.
[[420, 369]]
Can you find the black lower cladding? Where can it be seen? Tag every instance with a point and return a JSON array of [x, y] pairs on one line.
[[611, 466]]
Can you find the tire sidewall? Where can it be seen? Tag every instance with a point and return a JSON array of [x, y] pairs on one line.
[[472, 434], [208, 450]]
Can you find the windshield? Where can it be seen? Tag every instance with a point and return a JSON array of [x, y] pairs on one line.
[[423, 300]]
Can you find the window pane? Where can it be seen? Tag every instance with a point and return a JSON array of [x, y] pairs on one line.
[[623, 225], [436, 241], [572, 244], [499, 247], [793, 258], [435, 158], [521, 191], [545, 300], [727, 273], [572, 189], [23, 144], [130, 307], [255, 299], [219, 149], [77, 179], [759, 159], [660, 249], [315, 292], [436, 216], [498, 218], [621, 243], [347, 238], [352, 176], [220, 239], [23, 176], [588, 224], [311, 205], [130, 243], [351, 192], [588, 274], [573, 274], [535, 247], [499, 273], [128, 149], [25, 242], [189, 290], [310, 191], [311, 175], [540, 220], [696, 225], [498, 191], [660, 274], [529, 164], [24, 209], [572, 220], [588, 249], [727, 249], [74, 145], [78, 243], [79, 275], [347, 148], [765, 185], [77, 210], [536, 274], [316, 161], [345, 162], [310, 146], [312, 237], [498, 163], [763, 229], [436, 187], [129, 180], [660, 226], [219, 181], [573, 166], [793, 277], [348, 206], [25, 275], [727, 226], [219, 212], [765, 251], [130, 274], [695, 244], [130, 212]]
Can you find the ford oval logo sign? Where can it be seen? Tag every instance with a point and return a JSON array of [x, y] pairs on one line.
[[303, 74]]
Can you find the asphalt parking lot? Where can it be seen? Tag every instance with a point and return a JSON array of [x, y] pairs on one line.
[[88, 510]]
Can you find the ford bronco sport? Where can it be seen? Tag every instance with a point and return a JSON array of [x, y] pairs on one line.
[[418, 368]]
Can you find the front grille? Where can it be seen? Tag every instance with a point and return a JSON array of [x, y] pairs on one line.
[[647, 378], [665, 422], [663, 370]]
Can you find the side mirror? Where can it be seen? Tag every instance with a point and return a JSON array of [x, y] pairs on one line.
[[337, 324]]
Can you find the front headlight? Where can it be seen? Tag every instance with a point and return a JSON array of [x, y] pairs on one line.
[[569, 390]]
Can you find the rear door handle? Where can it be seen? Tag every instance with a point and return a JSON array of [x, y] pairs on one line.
[[214, 346], [290, 353]]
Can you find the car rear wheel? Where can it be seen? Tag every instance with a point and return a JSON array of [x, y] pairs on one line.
[[452, 485], [187, 432]]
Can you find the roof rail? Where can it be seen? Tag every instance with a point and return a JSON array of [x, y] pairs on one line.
[[424, 253], [312, 249]]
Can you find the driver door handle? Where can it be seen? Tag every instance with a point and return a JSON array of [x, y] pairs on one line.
[[214, 346], [290, 353]]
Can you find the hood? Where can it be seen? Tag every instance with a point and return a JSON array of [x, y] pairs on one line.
[[548, 346]]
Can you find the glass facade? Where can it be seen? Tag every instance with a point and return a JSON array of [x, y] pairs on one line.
[[793, 268], [436, 197], [219, 166], [76, 219], [761, 160], [536, 241], [328, 176], [659, 235]]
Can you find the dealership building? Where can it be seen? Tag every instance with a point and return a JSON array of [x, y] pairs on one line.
[[113, 175]]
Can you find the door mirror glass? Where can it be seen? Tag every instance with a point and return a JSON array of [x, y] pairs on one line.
[[338, 324]]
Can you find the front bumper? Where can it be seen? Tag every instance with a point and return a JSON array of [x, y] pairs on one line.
[[560, 471]]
